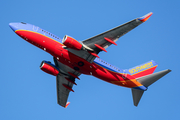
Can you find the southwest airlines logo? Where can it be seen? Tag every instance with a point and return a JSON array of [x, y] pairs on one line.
[[141, 68]]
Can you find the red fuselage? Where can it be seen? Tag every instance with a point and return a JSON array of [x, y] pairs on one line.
[[100, 69], [64, 56]]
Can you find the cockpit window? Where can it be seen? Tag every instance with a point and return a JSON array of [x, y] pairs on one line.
[[23, 23]]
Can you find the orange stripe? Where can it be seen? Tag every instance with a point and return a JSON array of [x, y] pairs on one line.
[[42, 35]]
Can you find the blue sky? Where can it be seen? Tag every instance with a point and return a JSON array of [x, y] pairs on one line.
[[30, 94]]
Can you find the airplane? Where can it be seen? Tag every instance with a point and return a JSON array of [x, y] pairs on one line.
[[73, 58]]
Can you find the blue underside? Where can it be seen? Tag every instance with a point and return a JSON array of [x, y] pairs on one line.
[[141, 88]]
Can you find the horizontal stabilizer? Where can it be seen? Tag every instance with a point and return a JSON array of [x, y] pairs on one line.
[[150, 79], [146, 81], [137, 94]]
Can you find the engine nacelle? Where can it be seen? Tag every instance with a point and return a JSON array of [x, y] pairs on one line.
[[71, 43], [49, 68]]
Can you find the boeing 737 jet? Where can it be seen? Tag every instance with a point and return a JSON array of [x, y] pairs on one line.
[[73, 58]]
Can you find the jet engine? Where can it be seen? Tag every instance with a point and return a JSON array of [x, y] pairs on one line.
[[49, 68], [71, 43]]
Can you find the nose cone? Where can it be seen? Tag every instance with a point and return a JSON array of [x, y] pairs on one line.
[[13, 26]]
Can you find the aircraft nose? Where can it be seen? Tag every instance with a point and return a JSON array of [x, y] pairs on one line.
[[13, 26]]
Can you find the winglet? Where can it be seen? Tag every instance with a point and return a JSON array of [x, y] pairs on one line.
[[146, 17], [67, 104]]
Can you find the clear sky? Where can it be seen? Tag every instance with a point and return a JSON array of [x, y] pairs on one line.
[[27, 93]]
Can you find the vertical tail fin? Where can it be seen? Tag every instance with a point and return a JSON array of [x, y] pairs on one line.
[[143, 69], [146, 81], [137, 94]]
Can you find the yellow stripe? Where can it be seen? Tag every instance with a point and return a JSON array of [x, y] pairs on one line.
[[137, 84]]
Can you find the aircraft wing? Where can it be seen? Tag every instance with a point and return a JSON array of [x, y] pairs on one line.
[[62, 91], [64, 82], [102, 41]]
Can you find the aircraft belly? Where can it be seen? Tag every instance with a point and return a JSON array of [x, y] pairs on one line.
[[73, 61], [65, 69], [119, 79], [69, 59]]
